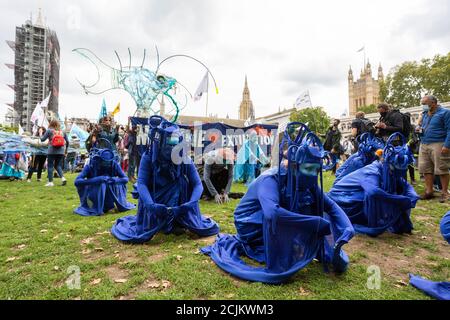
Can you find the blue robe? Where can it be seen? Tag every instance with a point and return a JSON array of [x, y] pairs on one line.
[[355, 162], [371, 209], [170, 200], [445, 227], [438, 290], [283, 240], [101, 191]]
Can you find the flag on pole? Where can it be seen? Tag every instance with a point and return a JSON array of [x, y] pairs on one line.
[[304, 100], [116, 109], [103, 111], [44, 103], [202, 88], [361, 49]]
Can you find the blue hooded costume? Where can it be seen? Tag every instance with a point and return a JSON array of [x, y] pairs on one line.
[[249, 160], [168, 193], [368, 145], [10, 167], [284, 221], [102, 185], [438, 290], [378, 197]]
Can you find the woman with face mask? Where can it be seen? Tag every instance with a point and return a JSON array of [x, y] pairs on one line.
[[168, 189], [284, 221]]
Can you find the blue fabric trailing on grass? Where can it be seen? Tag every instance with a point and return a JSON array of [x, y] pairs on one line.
[[437, 290], [168, 193], [284, 221], [377, 198], [445, 227]]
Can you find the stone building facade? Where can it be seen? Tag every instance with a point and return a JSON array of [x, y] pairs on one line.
[[364, 91]]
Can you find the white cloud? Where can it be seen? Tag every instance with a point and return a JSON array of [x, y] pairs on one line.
[[284, 47]]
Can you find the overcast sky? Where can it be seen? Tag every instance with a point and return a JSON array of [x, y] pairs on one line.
[[284, 47]]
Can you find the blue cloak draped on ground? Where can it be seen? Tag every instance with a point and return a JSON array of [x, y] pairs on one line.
[[102, 190], [438, 290], [168, 194], [284, 240]]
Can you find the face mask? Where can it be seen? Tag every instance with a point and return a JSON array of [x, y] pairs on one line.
[[310, 169], [425, 107]]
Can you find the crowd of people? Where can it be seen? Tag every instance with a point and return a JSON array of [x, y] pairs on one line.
[[285, 219], [429, 141]]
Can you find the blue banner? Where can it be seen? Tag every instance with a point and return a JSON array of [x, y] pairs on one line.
[[204, 137]]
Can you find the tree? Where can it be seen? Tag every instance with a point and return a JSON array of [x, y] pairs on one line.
[[368, 109], [407, 83], [9, 129], [316, 118]]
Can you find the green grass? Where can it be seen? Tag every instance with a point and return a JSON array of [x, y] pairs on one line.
[[40, 238]]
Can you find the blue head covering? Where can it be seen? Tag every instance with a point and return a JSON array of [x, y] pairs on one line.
[[299, 180], [368, 144], [101, 159], [395, 164]]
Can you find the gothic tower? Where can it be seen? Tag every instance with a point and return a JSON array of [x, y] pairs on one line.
[[366, 90], [246, 110]]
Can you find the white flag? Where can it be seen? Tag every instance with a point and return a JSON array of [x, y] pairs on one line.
[[202, 88], [304, 100], [44, 103], [37, 113]]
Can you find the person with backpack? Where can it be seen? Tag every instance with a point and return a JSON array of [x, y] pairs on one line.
[[361, 125], [390, 122], [57, 149]]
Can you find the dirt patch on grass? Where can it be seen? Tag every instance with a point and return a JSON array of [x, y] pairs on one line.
[[116, 274], [149, 285], [398, 255], [157, 257]]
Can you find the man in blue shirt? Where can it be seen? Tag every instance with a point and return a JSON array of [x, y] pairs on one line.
[[434, 153]]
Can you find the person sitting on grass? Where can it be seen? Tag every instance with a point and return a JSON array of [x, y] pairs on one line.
[[284, 221], [168, 189], [102, 185], [369, 150], [378, 198]]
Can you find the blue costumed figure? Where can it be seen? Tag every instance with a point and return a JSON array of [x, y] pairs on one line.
[[378, 198], [102, 185], [369, 150], [14, 165], [168, 192], [284, 221], [250, 158], [438, 290]]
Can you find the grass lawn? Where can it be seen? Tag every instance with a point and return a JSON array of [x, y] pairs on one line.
[[42, 242]]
